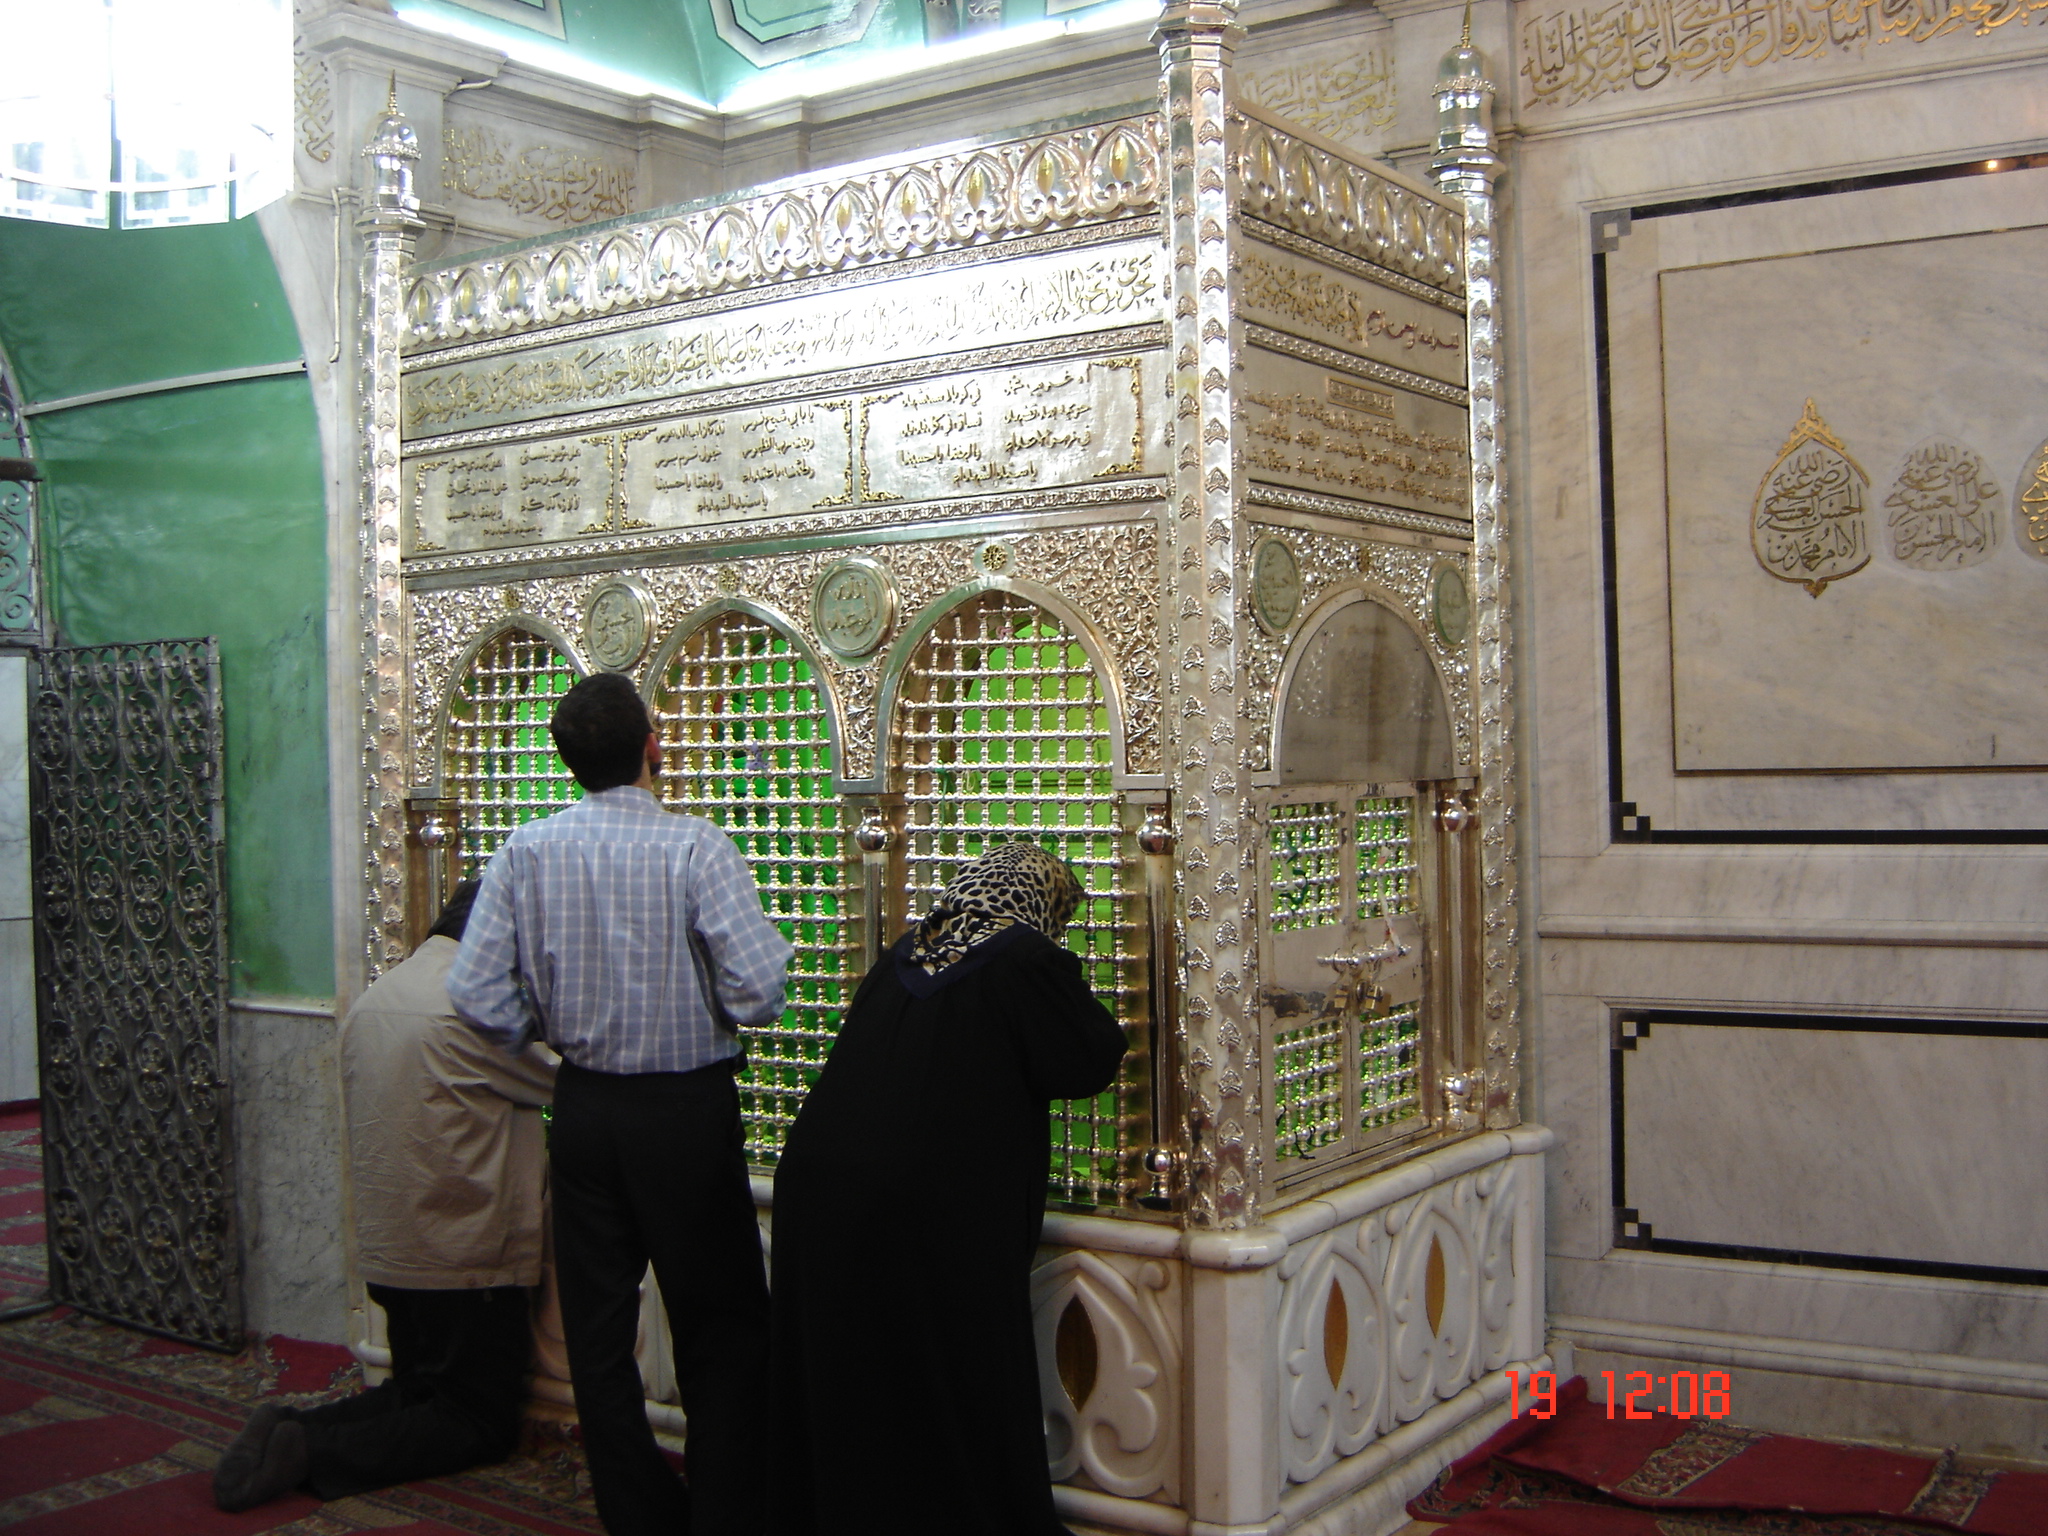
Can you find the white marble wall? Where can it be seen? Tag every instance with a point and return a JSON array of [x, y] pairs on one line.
[[17, 943], [283, 1065], [1873, 929]]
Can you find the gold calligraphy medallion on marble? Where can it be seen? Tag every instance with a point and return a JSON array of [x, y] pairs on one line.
[[1943, 509], [2030, 505], [1807, 523]]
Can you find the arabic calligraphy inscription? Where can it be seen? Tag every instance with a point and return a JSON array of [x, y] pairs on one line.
[[1576, 55], [1807, 523], [1943, 509], [2030, 504], [560, 185], [1348, 99]]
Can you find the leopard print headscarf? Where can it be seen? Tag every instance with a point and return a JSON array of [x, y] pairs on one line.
[[1017, 883]]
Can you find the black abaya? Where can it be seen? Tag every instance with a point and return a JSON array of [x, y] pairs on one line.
[[908, 1204]]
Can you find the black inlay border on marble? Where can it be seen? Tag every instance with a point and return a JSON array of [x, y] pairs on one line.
[[1629, 1026], [1625, 823]]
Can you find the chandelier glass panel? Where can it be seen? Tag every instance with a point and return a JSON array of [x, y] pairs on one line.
[[142, 113]]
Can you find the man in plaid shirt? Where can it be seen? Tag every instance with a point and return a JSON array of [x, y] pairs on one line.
[[633, 941]]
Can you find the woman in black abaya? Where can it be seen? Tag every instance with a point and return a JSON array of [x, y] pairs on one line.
[[908, 1203]]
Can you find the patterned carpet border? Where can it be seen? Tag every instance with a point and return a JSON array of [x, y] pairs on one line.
[[204, 1398]]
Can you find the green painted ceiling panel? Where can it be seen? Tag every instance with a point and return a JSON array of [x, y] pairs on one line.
[[91, 309], [202, 512]]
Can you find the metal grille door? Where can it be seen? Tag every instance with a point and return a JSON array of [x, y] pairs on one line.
[[501, 767], [131, 950], [1003, 733], [745, 745], [1343, 879]]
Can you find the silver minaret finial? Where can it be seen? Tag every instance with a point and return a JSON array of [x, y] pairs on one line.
[[1465, 158], [392, 149]]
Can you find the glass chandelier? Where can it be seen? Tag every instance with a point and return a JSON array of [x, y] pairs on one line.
[[144, 113]]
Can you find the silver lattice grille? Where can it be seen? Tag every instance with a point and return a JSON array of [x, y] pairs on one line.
[[1389, 1066], [1308, 1086], [1386, 855], [745, 744], [1390, 1039], [1305, 850], [1307, 855], [501, 768], [1003, 733]]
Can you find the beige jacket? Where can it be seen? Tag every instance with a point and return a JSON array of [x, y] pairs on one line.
[[444, 1135]]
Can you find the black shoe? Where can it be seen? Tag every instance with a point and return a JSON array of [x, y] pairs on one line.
[[238, 1463], [286, 1461]]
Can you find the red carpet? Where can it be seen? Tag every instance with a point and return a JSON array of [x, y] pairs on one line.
[[106, 1431], [1583, 1474], [24, 1275]]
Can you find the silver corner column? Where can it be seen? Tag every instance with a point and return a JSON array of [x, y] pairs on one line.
[[1465, 166], [389, 226], [1200, 625]]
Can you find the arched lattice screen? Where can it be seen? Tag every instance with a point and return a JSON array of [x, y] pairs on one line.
[[500, 767], [745, 744], [1002, 732]]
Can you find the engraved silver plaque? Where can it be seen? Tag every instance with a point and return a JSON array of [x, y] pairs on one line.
[[1276, 585], [1450, 605], [1027, 299], [1030, 427], [1310, 426], [853, 607], [617, 622]]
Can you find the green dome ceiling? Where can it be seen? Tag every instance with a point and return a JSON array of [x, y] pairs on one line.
[[740, 53]]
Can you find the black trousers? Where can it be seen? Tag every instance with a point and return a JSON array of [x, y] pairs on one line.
[[651, 1168], [457, 1393]]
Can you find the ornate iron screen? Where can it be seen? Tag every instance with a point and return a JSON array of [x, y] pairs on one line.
[[131, 953], [501, 768], [746, 744], [1002, 732]]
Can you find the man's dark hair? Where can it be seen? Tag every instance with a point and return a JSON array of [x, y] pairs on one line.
[[455, 916], [601, 728]]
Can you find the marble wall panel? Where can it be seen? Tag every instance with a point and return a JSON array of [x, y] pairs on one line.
[[1866, 605], [288, 1177], [18, 1072], [1713, 655], [14, 858], [17, 939], [1880, 1144]]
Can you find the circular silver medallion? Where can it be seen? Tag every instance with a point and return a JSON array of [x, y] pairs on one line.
[[996, 558], [617, 622], [1450, 605], [1276, 585], [853, 607]]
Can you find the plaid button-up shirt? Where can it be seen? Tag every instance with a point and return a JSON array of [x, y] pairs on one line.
[[581, 935]]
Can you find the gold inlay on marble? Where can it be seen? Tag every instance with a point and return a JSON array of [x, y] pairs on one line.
[[1807, 524]]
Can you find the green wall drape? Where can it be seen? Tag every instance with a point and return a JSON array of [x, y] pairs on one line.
[[197, 511]]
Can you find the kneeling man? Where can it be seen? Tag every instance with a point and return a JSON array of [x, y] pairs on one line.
[[446, 1147]]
